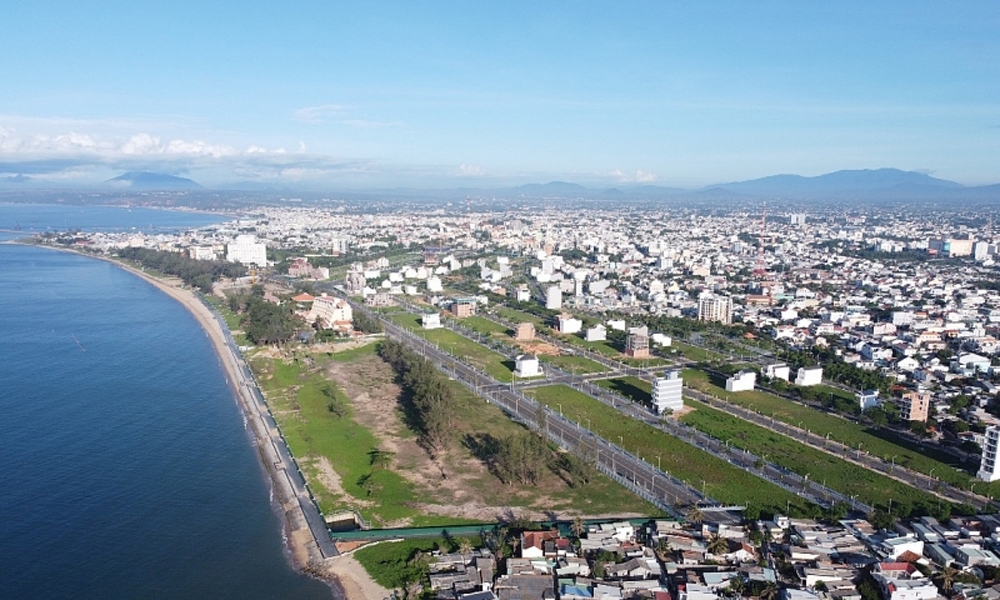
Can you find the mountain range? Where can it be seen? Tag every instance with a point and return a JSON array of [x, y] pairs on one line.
[[860, 185]]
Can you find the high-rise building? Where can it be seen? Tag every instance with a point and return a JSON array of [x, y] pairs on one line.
[[716, 308], [914, 406], [553, 298], [989, 467], [245, 249], [668, 392]]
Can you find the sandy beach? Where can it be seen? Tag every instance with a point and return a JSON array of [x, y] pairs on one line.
[[347, 577]]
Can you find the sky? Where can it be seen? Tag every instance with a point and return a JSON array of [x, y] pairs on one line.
[[488, 94]]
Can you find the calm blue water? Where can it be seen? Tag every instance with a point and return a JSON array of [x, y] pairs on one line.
[[126, 470]]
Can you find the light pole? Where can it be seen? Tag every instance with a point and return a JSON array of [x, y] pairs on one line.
[[658, 463], [559, 404]]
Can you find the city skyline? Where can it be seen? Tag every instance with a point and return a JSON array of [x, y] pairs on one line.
[[485, 96]]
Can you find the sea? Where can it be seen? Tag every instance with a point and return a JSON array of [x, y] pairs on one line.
[[126, 468]]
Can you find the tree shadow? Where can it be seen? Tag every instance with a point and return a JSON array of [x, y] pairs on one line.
[[631, 391]]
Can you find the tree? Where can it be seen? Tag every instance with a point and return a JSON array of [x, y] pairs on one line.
[[948, 576], [694, 515], [379, 459], [770, 591], [717, 544], [577, 527], [663, 549]]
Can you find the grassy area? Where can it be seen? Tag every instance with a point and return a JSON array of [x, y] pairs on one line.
[[719, 479], [834, 472], [483, 325], [301, 400], [838, 428], [633, 388], [694, 352], [391, 563], [573, 364], [518, 316], [495, 365], [320, 421]]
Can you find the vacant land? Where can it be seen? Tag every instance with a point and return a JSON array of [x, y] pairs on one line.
[[342, 417], [717, 478], [840, 429]]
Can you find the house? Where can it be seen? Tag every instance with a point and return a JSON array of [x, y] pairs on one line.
[[668, 392], [527, 365], [430, 321], [331, 313], [777, 371], [566, 323], [867, 399], [533, 542], [808, 376], [743, 381], [463, 307], [597, 333]]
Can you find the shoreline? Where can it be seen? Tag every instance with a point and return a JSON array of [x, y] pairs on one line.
[[307, 554]]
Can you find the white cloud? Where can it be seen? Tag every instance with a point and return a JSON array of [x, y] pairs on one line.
[[640, 176], [370, 124], [471, 170], [319, 114]]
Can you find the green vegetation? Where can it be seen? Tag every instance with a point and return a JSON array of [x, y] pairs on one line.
[[399, 565], [695, 353], [719, 479], [195, 273], [495, 365], [838, 428], [263, 322], [483, 326], [573, 364], [429, 399], [836, 473], [317, 421]]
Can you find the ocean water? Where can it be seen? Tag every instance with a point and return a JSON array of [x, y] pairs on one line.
[[126, 469]]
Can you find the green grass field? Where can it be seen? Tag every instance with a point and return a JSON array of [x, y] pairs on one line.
[[839, 429], [484, 326], [495, 365], [694, 352], [836, 473], [574, 364], [719, 479]]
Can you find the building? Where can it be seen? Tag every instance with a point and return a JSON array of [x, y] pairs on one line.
[[716, 308], [553, 298], [246, 250], [809, 376], [524, 332], [527, 365], [637, 345], [743, 381], [989, 467], [667, 392], [340, 245], [798, 219], [463, 307], [355, 282], [331, 313], [597, 333], [777, 371], [867, 399], [201, 252], [430, 321], [569, 324], [914, 406]]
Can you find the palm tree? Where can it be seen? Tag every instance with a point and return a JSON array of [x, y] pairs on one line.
[[737, 586], [770, 591], [663, 549], [465, 546], [717, 544], [694, 515], [948, 575], [577, 528]]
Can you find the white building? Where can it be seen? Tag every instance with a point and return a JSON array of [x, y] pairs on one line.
[[597, 333], [741, 382], [867, 399], [569, 324], [431, 321], [527, 365], [202, 252], [434, 285], [777, 371], [340, 245], [989, 467], [716, 308], [245, 249], [523, 294], [332, 313], [553, 298], [809, 376], [668, 392]]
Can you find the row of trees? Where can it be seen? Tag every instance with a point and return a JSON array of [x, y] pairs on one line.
[[429, 400], [195, 273]]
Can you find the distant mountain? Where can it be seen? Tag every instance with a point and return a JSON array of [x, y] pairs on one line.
[[867, 182], [553, 188], [145, 180]]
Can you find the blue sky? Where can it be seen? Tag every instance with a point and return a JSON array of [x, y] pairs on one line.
[[486, 94]]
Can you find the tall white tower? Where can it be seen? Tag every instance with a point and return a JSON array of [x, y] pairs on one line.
[[989, 467]]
